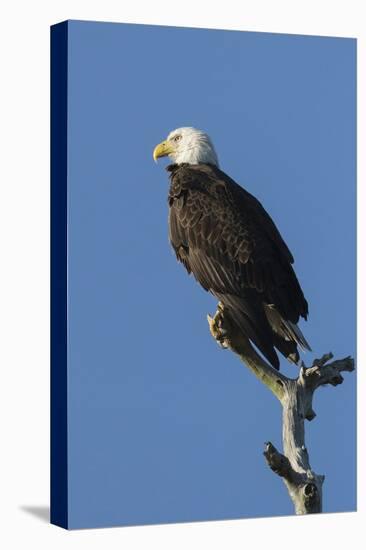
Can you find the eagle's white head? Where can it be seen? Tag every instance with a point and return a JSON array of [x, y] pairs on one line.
[[187, 145]]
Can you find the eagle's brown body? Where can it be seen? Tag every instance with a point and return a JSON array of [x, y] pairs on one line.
[[223, 235]]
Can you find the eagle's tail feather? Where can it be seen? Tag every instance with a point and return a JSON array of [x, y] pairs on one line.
[[298, 336], [252, 321], [286, 335]]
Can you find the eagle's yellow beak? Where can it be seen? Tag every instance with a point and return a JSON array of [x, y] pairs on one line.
[[162, 150]]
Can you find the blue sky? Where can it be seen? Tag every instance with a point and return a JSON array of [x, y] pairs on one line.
[[163, 425]]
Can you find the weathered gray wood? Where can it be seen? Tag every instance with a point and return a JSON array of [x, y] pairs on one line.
[[296, 397]]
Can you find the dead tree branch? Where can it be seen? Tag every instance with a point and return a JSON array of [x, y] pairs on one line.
[[296, 397]]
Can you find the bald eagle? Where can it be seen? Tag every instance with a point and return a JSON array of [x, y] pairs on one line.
[[223, 235]]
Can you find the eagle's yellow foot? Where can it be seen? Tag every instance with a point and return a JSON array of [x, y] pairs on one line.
[[216, 324]]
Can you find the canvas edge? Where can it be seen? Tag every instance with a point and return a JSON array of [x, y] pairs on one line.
[[58, 458]]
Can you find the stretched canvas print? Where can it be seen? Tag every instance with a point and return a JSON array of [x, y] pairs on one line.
[[203, 338]]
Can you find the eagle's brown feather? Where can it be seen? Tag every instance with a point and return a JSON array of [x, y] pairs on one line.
[[223, 235]]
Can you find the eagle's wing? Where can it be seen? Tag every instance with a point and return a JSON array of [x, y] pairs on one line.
[[224, 236], [283, 288], [250, 204]]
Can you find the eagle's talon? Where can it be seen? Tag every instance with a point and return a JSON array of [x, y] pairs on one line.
[[221, 339], [217, 330], [223, 344]]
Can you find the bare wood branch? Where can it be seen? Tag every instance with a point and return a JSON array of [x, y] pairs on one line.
[[296, 396], [322, 372], [279, 463]]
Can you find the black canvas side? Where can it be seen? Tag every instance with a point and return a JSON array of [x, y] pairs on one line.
[[59, 481]]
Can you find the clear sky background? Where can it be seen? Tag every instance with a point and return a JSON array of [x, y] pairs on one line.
[[163, 425]]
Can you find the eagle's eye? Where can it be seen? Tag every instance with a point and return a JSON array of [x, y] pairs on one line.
[[177, 138]]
